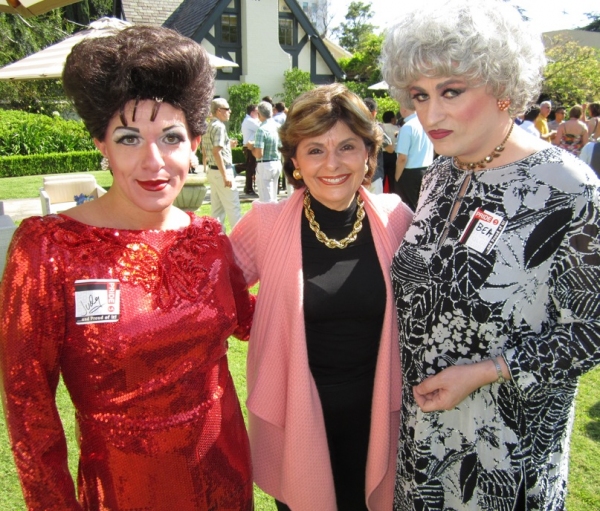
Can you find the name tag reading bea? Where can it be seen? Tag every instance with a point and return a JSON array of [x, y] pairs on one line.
[[483, 230], [97, 301]]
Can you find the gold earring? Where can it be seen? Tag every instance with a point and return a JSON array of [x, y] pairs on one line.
[[503, 104], [297, 175]]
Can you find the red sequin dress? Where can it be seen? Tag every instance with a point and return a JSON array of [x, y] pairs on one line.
[[137, 323]]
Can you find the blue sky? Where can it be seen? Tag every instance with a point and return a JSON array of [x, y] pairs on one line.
[[546, 15]]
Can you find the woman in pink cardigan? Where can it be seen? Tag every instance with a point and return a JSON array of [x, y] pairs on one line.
[[323, 362]]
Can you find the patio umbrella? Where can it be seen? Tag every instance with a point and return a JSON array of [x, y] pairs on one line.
[[49, 62], [379, 86], [29, 8]]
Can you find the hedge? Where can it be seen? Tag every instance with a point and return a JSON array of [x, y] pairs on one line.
[[61, 163], [24, 134], [53, 163]]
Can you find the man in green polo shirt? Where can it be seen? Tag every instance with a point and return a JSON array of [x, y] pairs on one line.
[[266, 150]]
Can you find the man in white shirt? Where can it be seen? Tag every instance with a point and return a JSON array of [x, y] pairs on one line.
[[249, 126], [280, 116], [529, 119]]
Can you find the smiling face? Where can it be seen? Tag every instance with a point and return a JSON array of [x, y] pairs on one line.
[[333, 165], [461, 120], [149, 159]]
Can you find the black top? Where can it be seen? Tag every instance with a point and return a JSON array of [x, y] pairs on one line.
[[344, 305], [344, 297]]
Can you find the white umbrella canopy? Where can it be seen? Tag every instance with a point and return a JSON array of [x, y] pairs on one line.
[[49, 62], [379, 86], [29, 8]]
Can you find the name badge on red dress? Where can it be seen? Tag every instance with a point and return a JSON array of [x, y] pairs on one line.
[[483, 230], [97, 301]]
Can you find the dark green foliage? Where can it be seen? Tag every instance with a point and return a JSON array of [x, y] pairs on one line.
[[240, 96], [594, 25], [54, 163], [359, 88], [364, 65], [22, 133], [21, 38], [237, 154], [295, 82]]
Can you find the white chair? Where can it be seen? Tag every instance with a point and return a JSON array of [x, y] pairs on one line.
[[58, 191], [7, 229]]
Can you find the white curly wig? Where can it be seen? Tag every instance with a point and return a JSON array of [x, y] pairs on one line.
[[485, 42]]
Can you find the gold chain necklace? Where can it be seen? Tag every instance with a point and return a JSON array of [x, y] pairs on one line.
[[321, 236], [482, 163]]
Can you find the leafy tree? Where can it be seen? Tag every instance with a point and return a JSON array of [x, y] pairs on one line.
[[363, 66], [385, 103], [573, 73], [359, 88], [240, 96], [85, 11], [21, 38], [295, 82], [357, 25], [594, 25]]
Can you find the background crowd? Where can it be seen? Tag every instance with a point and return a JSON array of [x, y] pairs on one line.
[[409, 350]]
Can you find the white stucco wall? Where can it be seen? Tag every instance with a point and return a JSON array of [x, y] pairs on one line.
[[304, 57], [264, 62]]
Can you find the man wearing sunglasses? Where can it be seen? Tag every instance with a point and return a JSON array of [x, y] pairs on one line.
[[217, 160]]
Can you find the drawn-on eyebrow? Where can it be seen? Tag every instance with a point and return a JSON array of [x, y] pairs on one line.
[[136, 130], [443, 85]]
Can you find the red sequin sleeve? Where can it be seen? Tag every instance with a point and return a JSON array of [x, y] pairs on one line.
[[243, 299], [31, 333]]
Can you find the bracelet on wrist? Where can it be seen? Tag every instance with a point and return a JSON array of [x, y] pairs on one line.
[[501, 378]]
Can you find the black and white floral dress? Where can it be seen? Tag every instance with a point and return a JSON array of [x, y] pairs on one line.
[[531, 294]]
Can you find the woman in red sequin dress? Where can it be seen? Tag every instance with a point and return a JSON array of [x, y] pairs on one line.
[[132, 301]]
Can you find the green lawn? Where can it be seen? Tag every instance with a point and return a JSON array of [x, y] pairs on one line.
[[584, 478], [29, 186]]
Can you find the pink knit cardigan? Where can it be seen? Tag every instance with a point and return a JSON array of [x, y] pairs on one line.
[[290, 456]]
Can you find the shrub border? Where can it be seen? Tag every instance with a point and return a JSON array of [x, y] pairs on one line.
[[62, 163]]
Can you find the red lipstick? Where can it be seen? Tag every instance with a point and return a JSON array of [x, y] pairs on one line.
[[439, 134], [153, 186]]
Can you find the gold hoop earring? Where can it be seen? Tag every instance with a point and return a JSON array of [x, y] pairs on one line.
[[503, 104], [297, 175]]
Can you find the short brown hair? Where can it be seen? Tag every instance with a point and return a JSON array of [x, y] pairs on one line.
[[575, 112], [317, 111], [103, 74]]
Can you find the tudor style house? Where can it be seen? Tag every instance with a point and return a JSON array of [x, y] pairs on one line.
[[263, 37]]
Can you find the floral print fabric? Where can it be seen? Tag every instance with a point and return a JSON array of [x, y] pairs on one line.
[[532, 299]]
